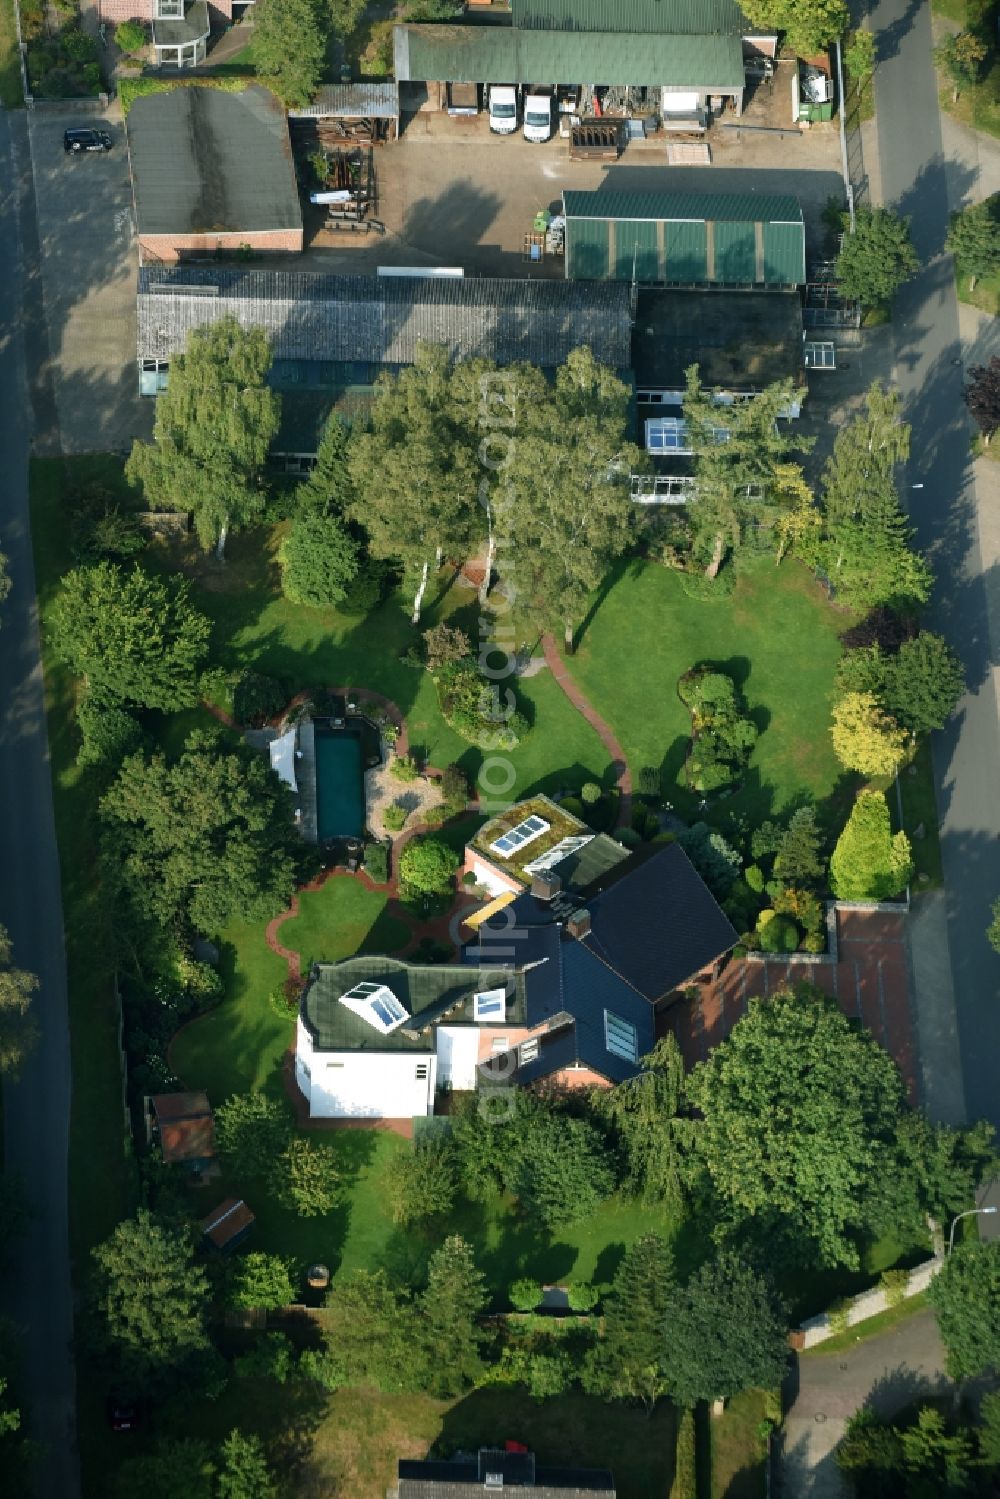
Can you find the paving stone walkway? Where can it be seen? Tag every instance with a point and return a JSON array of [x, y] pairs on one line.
[[623, 775]]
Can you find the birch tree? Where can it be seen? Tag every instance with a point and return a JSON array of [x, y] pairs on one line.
[[214, 425], [413, 472]]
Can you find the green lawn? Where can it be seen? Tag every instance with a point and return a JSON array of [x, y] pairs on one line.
[[882, 1322], [776, 633], [920, 807], [738, 1451], [979, 105], [985, 294]]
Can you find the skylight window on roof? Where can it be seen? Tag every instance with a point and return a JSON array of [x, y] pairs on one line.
[[490, 1005], [620, 1037], [376, 1005], [531, 828], [556, 855]]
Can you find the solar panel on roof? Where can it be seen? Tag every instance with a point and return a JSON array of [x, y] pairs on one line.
[[517, 837]]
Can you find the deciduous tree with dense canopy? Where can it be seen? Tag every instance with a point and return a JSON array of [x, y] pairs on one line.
[[870, 862], [966, 1297], [260, 1280], [974, 239], [201, 840], [809, 25], [865, 737], [149, 1298], [214, 424], [18, 1029], [725, 1331], [877, 258], [134, 637], [289, 46], [982, 395], [798, 1110], [427, 866]]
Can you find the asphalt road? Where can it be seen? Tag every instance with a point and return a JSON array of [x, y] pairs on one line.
[[37, 1292], [917, 180]]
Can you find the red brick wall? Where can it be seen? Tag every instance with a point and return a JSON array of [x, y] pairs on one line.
[[167, 247]]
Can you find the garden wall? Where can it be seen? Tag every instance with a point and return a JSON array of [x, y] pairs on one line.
[[828, 1324]]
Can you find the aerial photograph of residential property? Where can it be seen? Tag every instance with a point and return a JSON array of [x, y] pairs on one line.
[[499, 749]]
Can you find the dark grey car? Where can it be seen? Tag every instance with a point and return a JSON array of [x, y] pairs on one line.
[[84, 139]]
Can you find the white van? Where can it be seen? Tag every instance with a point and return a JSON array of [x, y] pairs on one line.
[[538, 103], [503, 108]]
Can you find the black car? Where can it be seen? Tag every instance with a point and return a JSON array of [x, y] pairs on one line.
[[124, 1411], [80, 139]]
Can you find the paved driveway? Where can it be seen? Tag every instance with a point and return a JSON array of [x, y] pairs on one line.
[[886, 1372], [88, 262]]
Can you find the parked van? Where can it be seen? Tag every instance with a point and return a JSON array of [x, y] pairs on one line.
[[538, 105], [503, 108]]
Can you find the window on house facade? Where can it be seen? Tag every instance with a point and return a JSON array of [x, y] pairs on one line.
[[169, 10], [153, 377], [421, 1072], [620, 1037], [500, 1043], [528, 1050]]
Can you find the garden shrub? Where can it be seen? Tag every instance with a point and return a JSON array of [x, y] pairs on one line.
[[130, 37], [754, 876], [377, 862], [404, 768], [722, 737], [837, 1316], [427, 867], [445, 645], [368, 587], [685, 1484], [285, 998], [894, 1284], [454, 789], [525, 1295], [590, 793], [64, 66], [582, 1296], [649, 781], [319, 561], [470, 704], [257, 698], [108, 732], [572, 805], [716, 861], [393, 817], [628, 837], [777, 933]]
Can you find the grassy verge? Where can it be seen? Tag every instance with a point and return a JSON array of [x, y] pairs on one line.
[[101, 1172], [738, 1449], [11, 96], [985, 294], [920, 807], [869, 1329], [978, 104]]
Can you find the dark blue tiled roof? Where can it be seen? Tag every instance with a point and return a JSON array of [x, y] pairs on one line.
[[659, 924], [589, 988]]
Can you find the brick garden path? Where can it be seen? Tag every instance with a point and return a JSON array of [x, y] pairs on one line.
[[623, 775]]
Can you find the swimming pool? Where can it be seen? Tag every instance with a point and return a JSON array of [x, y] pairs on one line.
[[340, 784]]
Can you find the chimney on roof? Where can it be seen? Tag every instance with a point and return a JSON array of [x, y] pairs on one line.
[[545, 886], [578, 925]]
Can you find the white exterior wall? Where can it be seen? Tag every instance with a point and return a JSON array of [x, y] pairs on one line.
[[364, 1084], [457, 1055], [491, 879]]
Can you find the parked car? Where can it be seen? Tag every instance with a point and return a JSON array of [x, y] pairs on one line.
[[124, 1411], [84, 139]]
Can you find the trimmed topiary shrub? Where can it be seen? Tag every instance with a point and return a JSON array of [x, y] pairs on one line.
[[648, 781], [377, 862], [582, 1297], [777, 933], [590, 793], [393, 817], [524, 1295]]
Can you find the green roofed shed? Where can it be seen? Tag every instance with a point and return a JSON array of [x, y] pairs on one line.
[[721, 239], [509, 54], [666, 17]]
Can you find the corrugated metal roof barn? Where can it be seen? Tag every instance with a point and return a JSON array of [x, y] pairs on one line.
[[380, 320], [745, 239]]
